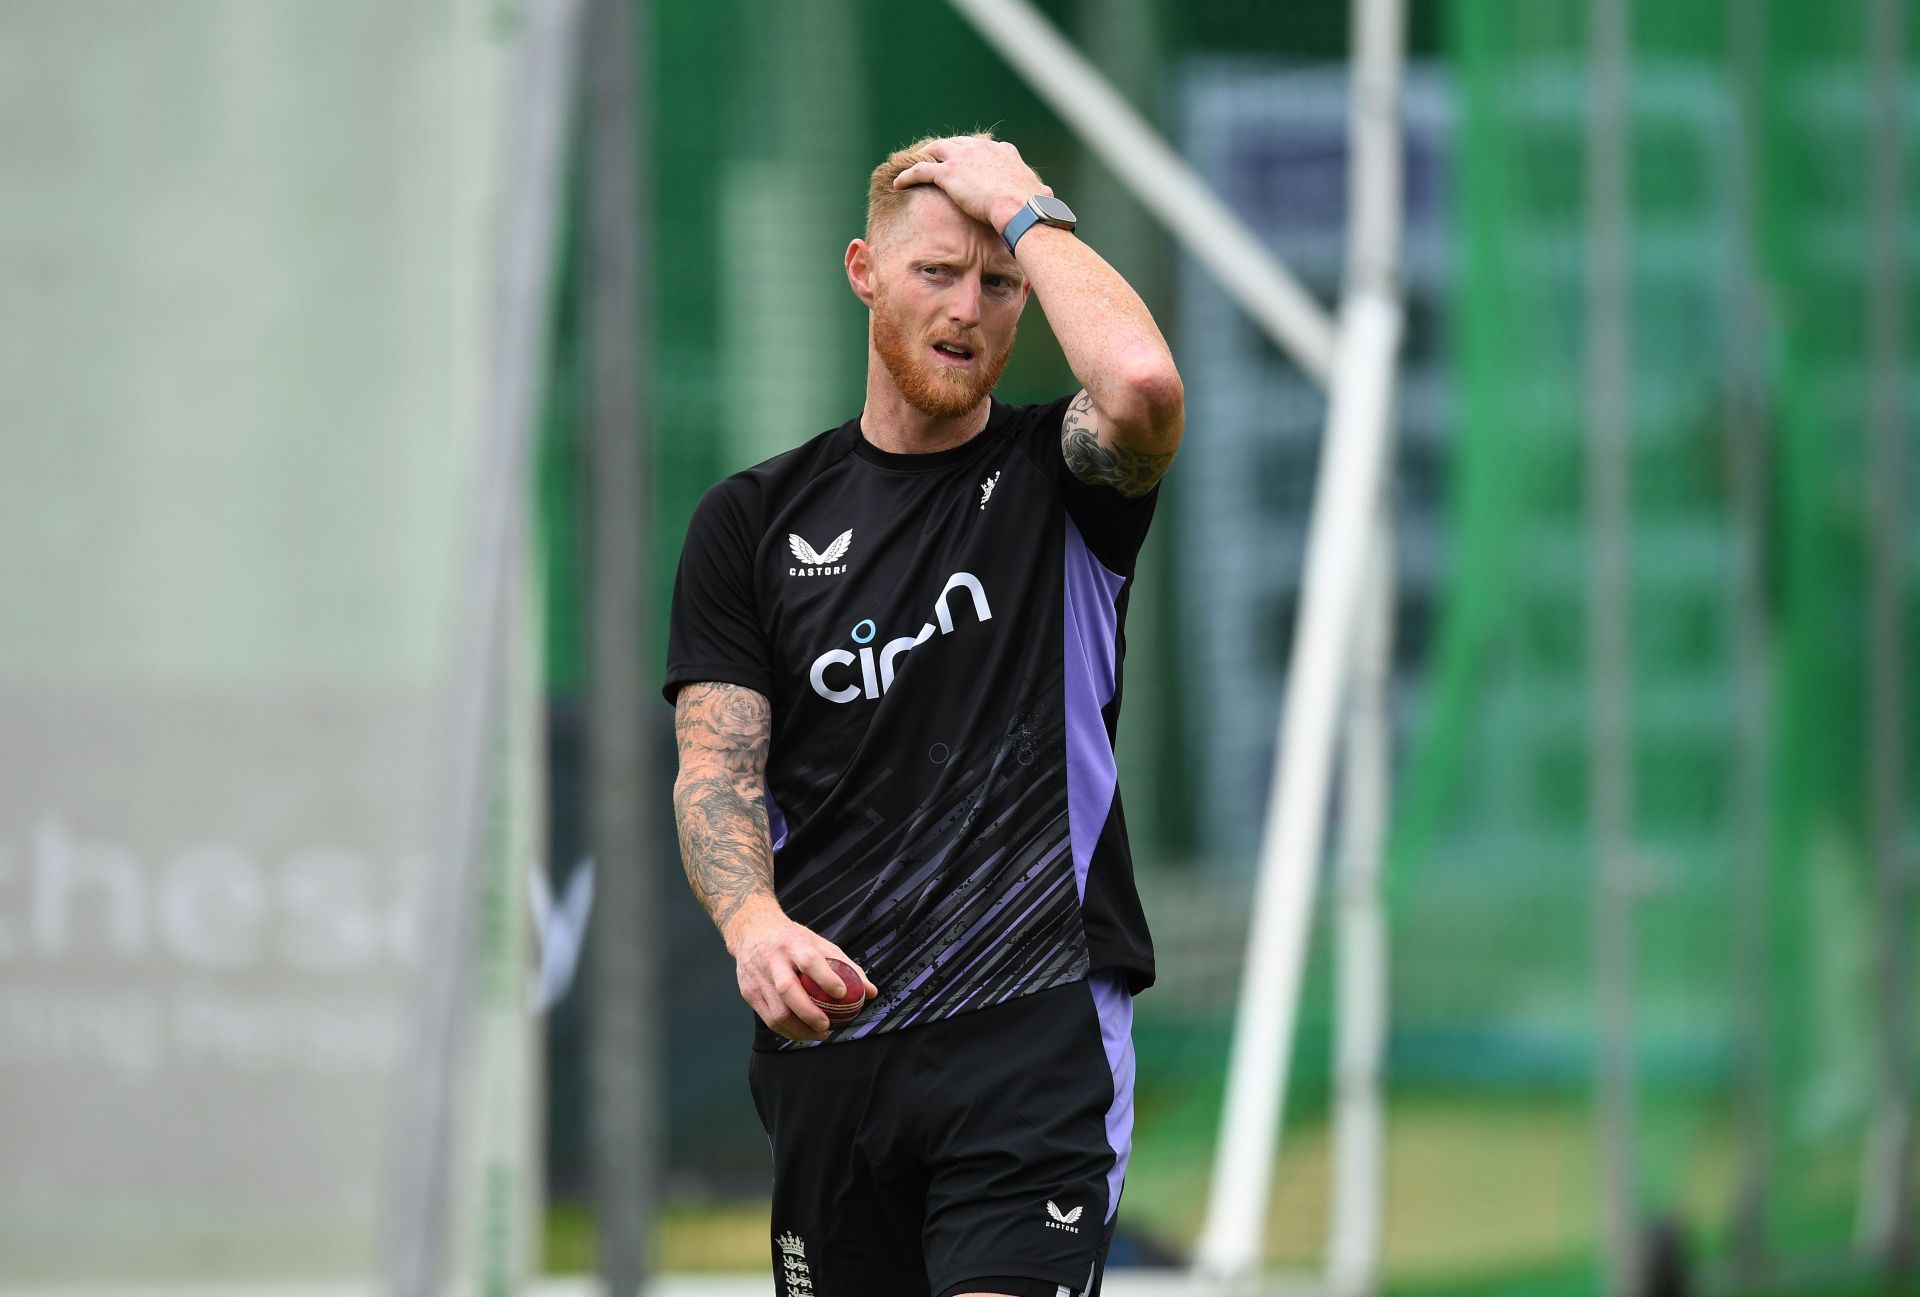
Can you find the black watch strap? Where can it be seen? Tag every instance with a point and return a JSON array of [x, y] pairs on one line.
[[1019, 225], [1040, 208]]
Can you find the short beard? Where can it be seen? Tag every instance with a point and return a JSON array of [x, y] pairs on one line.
[[925, 384]]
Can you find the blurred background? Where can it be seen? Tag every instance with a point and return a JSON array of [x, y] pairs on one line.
[[313, 340]]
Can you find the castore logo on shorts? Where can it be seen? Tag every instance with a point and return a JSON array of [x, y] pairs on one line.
[[877, 669]]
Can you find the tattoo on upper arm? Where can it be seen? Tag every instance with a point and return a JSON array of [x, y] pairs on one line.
[[1130, 472], [718, 800]]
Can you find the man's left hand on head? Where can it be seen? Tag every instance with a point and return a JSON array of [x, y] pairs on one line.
[[986, 179]]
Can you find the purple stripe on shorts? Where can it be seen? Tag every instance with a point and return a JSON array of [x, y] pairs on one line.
[[1091, 619], [1113, 1004]]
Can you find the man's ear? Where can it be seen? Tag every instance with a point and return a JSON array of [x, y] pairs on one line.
[[860, 268]]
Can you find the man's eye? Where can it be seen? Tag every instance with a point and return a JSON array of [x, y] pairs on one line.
[[933, 270]]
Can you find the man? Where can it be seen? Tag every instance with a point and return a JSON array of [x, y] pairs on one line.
[[895, 667]]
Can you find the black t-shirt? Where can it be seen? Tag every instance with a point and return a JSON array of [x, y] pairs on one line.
[[940, 637]]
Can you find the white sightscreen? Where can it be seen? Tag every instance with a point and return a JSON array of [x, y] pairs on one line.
[[243, 259]]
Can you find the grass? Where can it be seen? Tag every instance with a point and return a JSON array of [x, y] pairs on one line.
[[1485, 1198], [690, 1238]]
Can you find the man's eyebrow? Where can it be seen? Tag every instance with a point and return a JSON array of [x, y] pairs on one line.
[[946, 256]]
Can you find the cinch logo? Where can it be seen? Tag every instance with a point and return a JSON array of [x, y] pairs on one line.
[[876, 671]]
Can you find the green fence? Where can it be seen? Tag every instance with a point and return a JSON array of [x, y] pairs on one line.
[[1761, 1011]]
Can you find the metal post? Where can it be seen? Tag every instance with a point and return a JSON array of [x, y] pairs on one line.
[[1888, 1209], [1351, 467], [431, 1086], [621, 1040], [1359, 1121], [1609, 636], [1344, 528], [1373, 266]]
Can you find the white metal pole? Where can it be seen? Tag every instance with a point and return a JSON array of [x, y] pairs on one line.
[[1374, 133], [1162, 182], [1346, 528], [1361, 1005], [1360, 1019], [1338, 533], [1609, 653]]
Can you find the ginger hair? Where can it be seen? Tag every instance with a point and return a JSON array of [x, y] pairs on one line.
[[884, 202]]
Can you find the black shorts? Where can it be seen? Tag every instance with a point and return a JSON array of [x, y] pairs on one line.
[[982, 1153]]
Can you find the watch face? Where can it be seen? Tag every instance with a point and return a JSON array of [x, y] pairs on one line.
[[1052, 210]]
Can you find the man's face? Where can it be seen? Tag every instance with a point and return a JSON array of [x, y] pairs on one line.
[[946, 297]]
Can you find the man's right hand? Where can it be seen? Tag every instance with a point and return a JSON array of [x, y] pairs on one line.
[[770, 952]]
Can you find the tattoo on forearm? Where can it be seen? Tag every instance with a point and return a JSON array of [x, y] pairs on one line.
[[1130, 472], [718, 802]]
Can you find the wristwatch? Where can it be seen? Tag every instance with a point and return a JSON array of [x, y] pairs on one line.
[[1041, 209]]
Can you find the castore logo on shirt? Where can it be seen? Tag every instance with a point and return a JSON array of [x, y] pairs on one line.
[[819, 563]]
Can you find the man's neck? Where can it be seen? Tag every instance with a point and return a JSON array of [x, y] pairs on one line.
[[892, 425]]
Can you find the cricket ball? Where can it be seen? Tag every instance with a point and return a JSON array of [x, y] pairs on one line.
[[845, 1009]]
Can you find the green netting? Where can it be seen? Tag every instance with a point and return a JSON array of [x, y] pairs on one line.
[[1752, 279]]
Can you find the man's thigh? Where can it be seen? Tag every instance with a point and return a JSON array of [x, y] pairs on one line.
[[847, 1209], [1028, 1131], [982, 1154]]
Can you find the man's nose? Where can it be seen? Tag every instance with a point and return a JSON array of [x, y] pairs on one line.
[[964, 303]]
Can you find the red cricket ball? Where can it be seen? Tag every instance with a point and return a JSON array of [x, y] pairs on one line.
[[845, 1009]]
